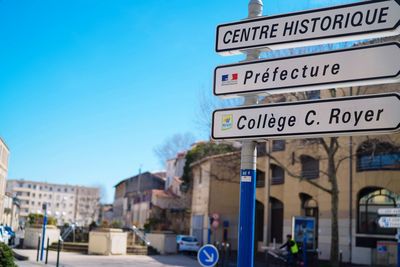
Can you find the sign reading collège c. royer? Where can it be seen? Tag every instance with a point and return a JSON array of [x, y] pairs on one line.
[[338, 68], [336, 116], [319, 26]]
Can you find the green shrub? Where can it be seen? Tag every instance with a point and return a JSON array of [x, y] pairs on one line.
[[6, 256], [36, 219]]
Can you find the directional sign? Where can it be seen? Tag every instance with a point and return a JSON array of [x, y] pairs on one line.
[[388, 211], [389, 222], [328, 117], [366, 65], [207, 255], [355, 21]]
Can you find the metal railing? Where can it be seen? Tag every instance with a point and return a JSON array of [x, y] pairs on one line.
[[140, 234]]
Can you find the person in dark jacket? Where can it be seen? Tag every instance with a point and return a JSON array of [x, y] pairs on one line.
[[292, 250]]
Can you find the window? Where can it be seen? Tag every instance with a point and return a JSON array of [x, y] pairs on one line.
[[309, 167], [315, 94], [260, 179], [34, 186], [261, 149], [29, 185], [278, 145], [65, 190], [51, 188], [370, 199], [277, 175], [374, 155]]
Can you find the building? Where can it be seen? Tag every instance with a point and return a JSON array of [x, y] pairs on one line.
[[133, 197], [292, 183], [11, 212], [67, 203], [215, 194], [4, 154]]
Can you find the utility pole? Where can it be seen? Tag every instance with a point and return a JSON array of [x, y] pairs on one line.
[[248, 172]]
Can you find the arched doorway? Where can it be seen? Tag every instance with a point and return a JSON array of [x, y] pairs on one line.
[[369, 200], [276, 229]]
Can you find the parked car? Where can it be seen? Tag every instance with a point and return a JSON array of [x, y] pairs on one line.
[[187, 243], [4, 235], [11, 235]]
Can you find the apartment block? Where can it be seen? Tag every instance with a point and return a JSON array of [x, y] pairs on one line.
[[67, 203]]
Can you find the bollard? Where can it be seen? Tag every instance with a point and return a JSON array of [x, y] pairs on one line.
[[38, 249], [58, 252], [47, 250]]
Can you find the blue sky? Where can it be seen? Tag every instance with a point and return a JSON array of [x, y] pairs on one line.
[[89, 88]]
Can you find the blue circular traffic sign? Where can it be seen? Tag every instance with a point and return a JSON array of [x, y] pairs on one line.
[[207, 255]]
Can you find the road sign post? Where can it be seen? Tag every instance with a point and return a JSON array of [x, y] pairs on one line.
[[248, 161], [349, 22]]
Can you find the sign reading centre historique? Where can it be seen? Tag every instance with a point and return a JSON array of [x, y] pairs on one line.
[[337, 68], [324, 117], [319, 26]]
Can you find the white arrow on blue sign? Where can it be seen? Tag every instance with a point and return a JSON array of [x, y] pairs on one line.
[[389, 222], [208, 255]]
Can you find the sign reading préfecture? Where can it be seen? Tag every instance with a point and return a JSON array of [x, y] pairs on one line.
[[337, 68]]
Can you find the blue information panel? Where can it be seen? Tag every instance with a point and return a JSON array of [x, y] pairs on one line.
[[208, 255]]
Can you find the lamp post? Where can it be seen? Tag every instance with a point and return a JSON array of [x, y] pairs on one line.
[[44, 207]]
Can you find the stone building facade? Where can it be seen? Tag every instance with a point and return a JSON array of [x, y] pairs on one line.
[[67, 203], [4, 154]]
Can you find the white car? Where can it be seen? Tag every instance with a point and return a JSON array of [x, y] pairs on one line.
[[187, 243]]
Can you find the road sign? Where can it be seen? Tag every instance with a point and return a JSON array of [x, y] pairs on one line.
[[327, 117], [388, 211], [389, 222], [207, 255], [365, 65], [355, 21]]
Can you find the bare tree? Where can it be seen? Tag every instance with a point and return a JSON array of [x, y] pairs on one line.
[[172, 145]]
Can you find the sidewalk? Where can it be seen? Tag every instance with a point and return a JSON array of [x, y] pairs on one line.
[[68, 259]]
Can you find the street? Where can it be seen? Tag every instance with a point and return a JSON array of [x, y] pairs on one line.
[[68, 259]]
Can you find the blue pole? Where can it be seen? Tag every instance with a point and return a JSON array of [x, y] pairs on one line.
[[246, 218], [43, 235], [398, 248], [305, 250]]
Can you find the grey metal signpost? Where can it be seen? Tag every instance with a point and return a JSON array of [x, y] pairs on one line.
[[248, 173]]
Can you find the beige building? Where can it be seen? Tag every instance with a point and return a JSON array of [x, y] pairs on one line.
[[4, 154], [368, 171], [11, 212], [67, 203]]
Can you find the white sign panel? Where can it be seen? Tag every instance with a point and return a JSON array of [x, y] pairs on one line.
[[339, 68], [387, 211], [389, 222], [355, 21], [327, 117]]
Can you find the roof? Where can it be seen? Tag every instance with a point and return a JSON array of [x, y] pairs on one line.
[[162, 193], [214, 157], [4, 143], [145, 174]]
